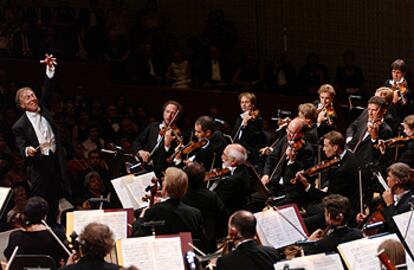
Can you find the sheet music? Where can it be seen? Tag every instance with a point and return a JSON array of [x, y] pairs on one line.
[[4, 241], [313, 262], [402, 222], [117, 221], [130, 189], [4, 192], [275, 231], [152, 254], [82, 218], [361, 254]]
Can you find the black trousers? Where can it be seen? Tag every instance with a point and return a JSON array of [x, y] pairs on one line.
[[45, 178]]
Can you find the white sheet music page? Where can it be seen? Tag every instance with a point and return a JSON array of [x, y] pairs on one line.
[[117, 222], [313, 262], [130, 189], [82, 218], [153, 253], [361, 254], [4, 192], [402, 223], [273, 230]]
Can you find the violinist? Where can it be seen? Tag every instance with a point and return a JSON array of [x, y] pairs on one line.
[[365, 132], [326, 120], [402, 98], [235, 190], [170, 211], [247, 253], [407, 153], [209, 203], [148, 144], [291, 154], [248, 128], [337, 211], [34, 238], [204, 129], [341, 178], [309, 114], [398, 197]]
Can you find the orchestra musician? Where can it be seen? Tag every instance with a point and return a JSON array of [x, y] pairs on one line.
[[291, 154], [395, 252], [248, 128], [204, 129], [326, 120], [338, 211], [402, 97], [390, 115], [174, 215], [341, 178], [364, 133], [406, 153], [398, 197], [212, 208], [247, 253], [34, 238], [234, 190], [95, 242], [309, 114], [151, 138]]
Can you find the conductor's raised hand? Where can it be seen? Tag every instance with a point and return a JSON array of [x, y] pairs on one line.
[[49, 60]]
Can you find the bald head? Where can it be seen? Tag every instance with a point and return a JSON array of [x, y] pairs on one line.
[[244, 222], [295, 127]]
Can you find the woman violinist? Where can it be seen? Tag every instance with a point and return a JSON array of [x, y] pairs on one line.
[[398, 197], [326, 113]]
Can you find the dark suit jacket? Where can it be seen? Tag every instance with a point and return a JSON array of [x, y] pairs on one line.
[[366, 152], [249, 256], [342, 179], [336, 237], [88, 263], [25, 136], [206, 71], [178, 217], [401, 207], [147, 140], [215, 147], [235, 190], [407, 154], [304, 159], [252, 138]]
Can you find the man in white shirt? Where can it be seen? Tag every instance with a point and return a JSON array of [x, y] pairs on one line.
[[38, 141]]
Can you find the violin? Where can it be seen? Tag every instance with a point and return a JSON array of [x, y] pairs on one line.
[[296, 144], [188, 148], [254, 114], [402, 90], [175, 131], [318, 168], [217, 174], [390, 142], [154, 192]]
